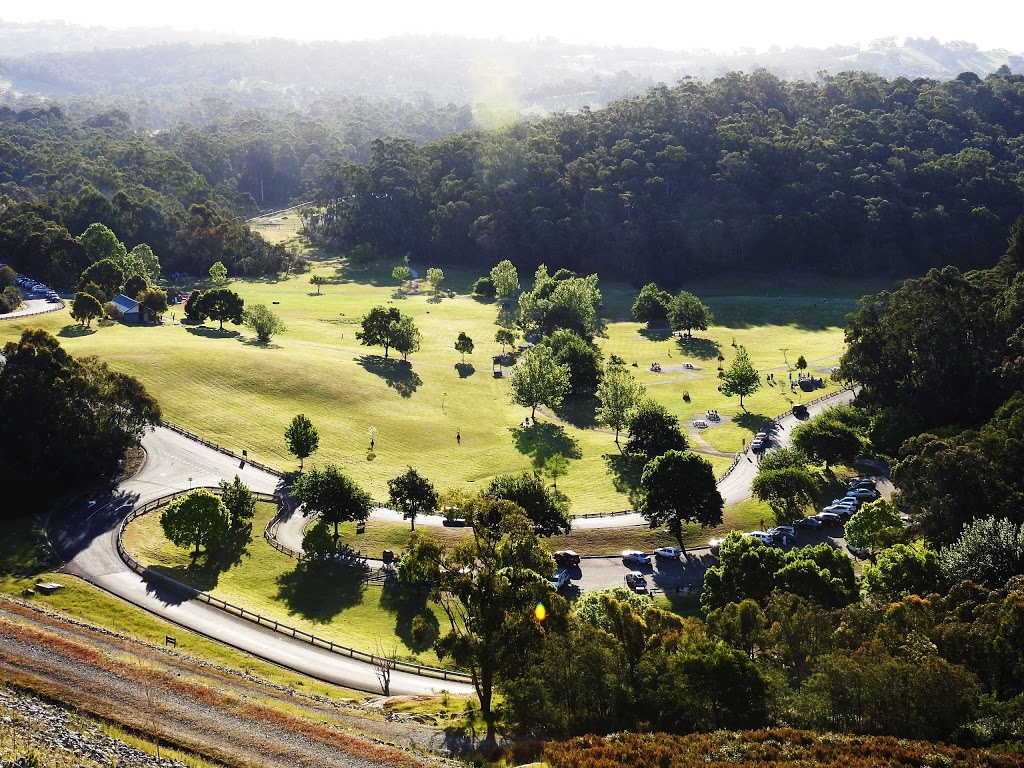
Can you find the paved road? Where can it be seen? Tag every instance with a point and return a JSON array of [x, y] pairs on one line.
[[86, 538]]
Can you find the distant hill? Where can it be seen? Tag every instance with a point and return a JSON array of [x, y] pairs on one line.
[[535, 79]]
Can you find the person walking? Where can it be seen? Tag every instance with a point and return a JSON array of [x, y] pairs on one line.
[[458, 437]]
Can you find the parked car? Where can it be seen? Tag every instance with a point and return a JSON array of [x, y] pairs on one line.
[[636, 581], [808, 522], [559, 580], [829, 518], [800, 411], [763, 536], [782, 530], [635, 556], [857, 551], [848, 501], [861, 482], [867, 494], [566, 557], [673, 553], [842, 510], [756, 445]]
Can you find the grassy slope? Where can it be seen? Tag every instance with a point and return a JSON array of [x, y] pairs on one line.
[[243, 395]]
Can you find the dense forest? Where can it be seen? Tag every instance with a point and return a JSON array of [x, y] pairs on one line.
[[746, 172]]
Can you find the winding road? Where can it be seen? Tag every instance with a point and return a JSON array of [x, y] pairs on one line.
[[85, 536]]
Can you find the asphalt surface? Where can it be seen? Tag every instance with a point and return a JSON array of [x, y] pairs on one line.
[[85, 537]]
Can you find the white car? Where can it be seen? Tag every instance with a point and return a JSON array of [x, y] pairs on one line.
[[559, 580], [763, 536], [867, 494], [635, 556], [673, 553]]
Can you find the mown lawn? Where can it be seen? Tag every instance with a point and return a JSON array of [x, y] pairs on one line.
[[331, 602], [242, 395]]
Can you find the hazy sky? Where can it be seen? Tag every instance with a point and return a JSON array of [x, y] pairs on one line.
[[674, 24]]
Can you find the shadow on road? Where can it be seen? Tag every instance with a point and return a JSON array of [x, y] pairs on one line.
[[74, 528]]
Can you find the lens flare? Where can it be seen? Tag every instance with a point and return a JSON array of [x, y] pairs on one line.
[[540, 612]]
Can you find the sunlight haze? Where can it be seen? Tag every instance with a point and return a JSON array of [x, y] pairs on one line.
[[675, 26]]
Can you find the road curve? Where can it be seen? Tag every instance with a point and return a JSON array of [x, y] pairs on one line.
[[85, 537]]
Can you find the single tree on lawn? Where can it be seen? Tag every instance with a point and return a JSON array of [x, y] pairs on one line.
[[538, 380], [412, 494], [317, 280], [380, 325], [556, 466], [506, 337], [505, 279], [302, 438], [653, 430], [788, 490], [222, 304], [680, 488], [239, 501], [464, 344], [406, 337], [435, 276], [619, 393], [198, 518], [264, 323], [85, 308], [218, 273], [741, 378], [332, 495], [868, 527], [801, 363], [402, 274], [652, 305], [687, 312]]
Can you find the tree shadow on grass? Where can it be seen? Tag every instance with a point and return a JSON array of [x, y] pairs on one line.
[[398, 374], [415, 624], [319, 591], [465, 370], [543, 440], [251, 341], [754, 422], [698, 347], [75, 331], [211, 333], [580, 411], [204, 571], [625, 471], [656, 334]]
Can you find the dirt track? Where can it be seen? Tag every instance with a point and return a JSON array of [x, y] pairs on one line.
[[195, 706]]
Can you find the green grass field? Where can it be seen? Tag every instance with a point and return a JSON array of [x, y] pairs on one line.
[[332, 603], [242, 395]]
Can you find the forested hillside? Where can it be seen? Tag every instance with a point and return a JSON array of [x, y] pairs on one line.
[[746, 172]]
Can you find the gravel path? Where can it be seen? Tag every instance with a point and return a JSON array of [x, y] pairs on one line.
[[196, 706]]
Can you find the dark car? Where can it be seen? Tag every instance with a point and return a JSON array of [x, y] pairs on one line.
[[800, 411], [566, 557]]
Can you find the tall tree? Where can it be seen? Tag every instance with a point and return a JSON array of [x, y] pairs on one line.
[[788, 491], [652, 305], [583, 359], [680, 488], [104, 273], [412, 495], [218, 273], [653, 430], [505, 279], [687, 312], [154, 300], [198, 518], [827, 441], [99, 242], [464, 344], [506, 337], [872, 525], [221, 304], [379, 327], [435, 276], [263, 322], [86, 308], [302, 438], [406, 337], [317, 280], [332, 495], [619, 393], [546, 511], [539, 380], [741, 378], [144, 262], [488, 587], [239, 501]]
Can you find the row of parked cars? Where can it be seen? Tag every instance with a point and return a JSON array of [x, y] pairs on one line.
[[41, 289], [858, 491]]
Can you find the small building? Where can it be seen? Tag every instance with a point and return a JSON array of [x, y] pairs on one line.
[[131, 310]]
